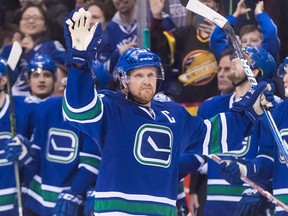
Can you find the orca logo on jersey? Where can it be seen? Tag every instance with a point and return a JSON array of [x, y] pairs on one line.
[[62, 145], [3, 137], [153, 145]]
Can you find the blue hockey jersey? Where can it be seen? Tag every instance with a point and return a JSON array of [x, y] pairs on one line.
[[140, 152], [222, 197], [280, 174], [64, 158], [23, 115]]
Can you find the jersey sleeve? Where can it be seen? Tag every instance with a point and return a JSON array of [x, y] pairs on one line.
[[270, 41], [221, 133], [81, 104], [218, 39], [88, 167]]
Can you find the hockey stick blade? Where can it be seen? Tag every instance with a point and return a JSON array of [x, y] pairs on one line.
[[201, 9], [15, 55]]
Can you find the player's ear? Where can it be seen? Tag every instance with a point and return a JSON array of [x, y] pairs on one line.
[[123, 84]]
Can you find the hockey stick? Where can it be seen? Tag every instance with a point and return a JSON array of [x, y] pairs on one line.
[[263, 192], [12, 61], [203, 10]]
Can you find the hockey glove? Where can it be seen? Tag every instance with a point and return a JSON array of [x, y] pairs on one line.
[[253, 203], [82, 41], [18, 149], [232, 171], [89, 203], [68, 203], [252, 101]]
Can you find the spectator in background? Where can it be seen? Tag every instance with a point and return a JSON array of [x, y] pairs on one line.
[[225, 85], [120, 33], [98, 11], [176, 12], [190, 66], [265, 34], [248, 17], [58, 10], [111, 10], [33, 24], [277, 9]]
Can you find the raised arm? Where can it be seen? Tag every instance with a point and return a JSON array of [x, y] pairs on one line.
[[81, 102], [270, 42]]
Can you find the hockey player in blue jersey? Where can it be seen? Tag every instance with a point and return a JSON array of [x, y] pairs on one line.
[[65, 164], [140, 139], [57, 148], [225, 200], [272, 164], [22, 112], [41, 79]]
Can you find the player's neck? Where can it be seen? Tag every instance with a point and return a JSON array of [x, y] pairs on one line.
[[242, 89], [147, 105]]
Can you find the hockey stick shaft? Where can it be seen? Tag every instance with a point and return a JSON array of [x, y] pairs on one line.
[[12, 61], [203, 10], [263, 192]]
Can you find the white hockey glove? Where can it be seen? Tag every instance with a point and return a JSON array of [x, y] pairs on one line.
[[81, 41]]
